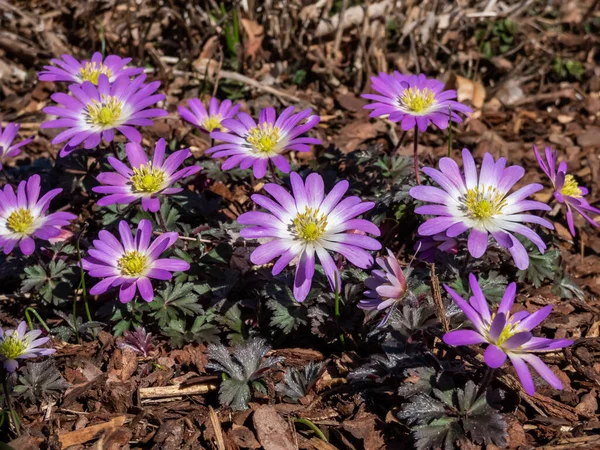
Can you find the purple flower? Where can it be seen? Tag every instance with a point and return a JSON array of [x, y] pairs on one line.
[[308, 225], [508, 335], [20, 344], [481, 204], [386, 286], [71, 70], [94, 112], [6, 138], [143, 179], [131, 262], [414, 100], [208, 121], [23, 217], [566, 189], [250, 145], [427, 246]]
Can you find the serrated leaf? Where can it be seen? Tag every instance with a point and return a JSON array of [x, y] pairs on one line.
[[541, 266], [440, 433], [421, 409], [39, 380], [288, 314], [566, 287], [174, 302], [493, 285]]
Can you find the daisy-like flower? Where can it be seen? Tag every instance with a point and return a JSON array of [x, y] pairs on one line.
[[507, 335], [131, 262], [566, 189], [20, 344], [414, 101], [386, 286], [7, 149], [249, 144], [23, 216], [143, 179], [208, 121], [481, 204], [73, 71], [95, 112], [308, 225]]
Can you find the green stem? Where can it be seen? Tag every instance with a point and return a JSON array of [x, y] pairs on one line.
[[161, 219], [313, 427], [35, 313], [82, 277], [336, 307], [11, 412]]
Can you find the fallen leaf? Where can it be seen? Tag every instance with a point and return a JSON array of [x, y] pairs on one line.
[[273, 432], [470, 90]]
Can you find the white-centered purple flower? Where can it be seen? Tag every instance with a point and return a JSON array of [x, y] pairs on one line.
[[249, 144], [143, 179], [209, 120], [566, 189], [23, 216], [20, 344], [386, 286], [72, 70], [414, 100], [308, 225], [482, 204], [95, 112], [507, 335], [7, 148], [132, 261]]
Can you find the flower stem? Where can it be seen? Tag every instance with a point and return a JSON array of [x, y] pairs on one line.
[[400, 142], [82, 277], [35, 313], [312, 426], [163, 223], [416, 155], [485, 382], [336, 307], [449, 131], [273, 173], [11, 412]]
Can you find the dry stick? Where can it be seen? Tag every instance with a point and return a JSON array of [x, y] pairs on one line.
[[340, 30], [416, 155], [437, 298]]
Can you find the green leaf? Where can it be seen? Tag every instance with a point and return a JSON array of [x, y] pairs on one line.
[[288, 314], [174, 302], [54, 286], [566, 287], [541, 267], [492, 284]]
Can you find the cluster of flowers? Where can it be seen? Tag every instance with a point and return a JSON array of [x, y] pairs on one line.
[[303, 225]]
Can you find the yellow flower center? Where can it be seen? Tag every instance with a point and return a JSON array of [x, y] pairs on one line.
[[132, 264], [571, 188], [213, 122], [310, 225], [105, 113], [417, 100], [147, 179], [483, 203], [12, 347], [264, 138], [510, 329], [20, 221], [91, 72]]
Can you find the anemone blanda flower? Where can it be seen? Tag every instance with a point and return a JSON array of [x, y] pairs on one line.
[[71, 70], [131, 262], [249, 144], [7, 149], [20, 344], [23, 216], [566, 189], [208, 121], [481, 204], [507, 335], [143, 179], [308, 225], [95, 112], [386, 286], [414, 100], [428, 246]]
